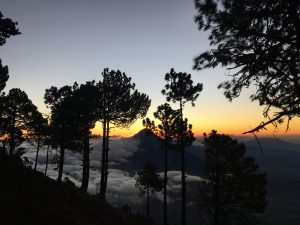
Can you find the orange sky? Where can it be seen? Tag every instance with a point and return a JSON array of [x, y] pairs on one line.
[[201, 126], [214, 111]]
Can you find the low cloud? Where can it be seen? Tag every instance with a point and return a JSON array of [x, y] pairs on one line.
[[121, 185]]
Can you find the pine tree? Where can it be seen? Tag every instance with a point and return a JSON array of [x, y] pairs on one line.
[[37, 132], [16, 114], [165, 130], [259, 43], [148, 181], [85, 111], [3, 76], [63, 126], [7, 29], [180, 88], [120, 105], [234, 191]]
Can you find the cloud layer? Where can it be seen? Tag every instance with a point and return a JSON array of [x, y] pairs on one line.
[[121, 184]]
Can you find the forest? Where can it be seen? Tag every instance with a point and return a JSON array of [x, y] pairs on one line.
[[258, 42]]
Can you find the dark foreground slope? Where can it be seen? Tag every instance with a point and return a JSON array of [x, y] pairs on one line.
[[28, 197]]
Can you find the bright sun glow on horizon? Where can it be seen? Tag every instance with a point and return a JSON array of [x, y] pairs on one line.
[[207, 128]]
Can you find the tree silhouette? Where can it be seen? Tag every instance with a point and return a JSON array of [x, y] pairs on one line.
[[7, 29], [180, 88], [234, 192], [148, 181], [64, 130], [75, 110], [3, 76], [47, 158], [85, 112], [259, 42], [37, 131], [165, 130], [183, 133], [16, 114], [2, 101], [120, 105]]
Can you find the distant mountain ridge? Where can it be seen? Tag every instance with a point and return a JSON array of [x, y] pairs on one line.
[[280, 161], [273, 143], [151, 147]]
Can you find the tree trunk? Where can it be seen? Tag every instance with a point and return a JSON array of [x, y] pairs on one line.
[[106, 155], [37, 153], [183, 197], [102, 181], [83, 169], [148, 204], [47, 158], [11, 144], [217, 190], [86, 161], [61, 164], [12, 135], [183, 219], [165, 185]]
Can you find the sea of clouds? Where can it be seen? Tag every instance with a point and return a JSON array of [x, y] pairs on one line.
[[121, 188]]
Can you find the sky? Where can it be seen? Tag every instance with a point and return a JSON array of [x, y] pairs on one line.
[[64, 41]]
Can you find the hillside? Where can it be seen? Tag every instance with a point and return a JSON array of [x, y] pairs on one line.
[[28, 197]]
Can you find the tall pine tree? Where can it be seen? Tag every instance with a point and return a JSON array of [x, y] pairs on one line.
[[180, 89], [166, 131], [120, 105], [64, 129], [234, 191]]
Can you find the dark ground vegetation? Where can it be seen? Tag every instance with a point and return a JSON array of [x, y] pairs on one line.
[[29, 197]]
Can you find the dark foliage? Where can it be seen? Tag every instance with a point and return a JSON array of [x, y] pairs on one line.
[[259, 42], [2, 101], [234, 191], [7, 28], [85, 112], [16, 114], [3, 76], [183, 133], [180, 88], [148, 181], [64, 131], [75, 110]]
